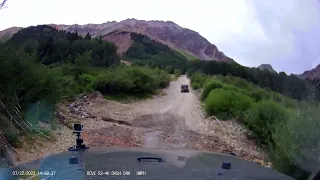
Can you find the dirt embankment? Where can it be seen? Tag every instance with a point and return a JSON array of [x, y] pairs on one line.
[[170, 120]]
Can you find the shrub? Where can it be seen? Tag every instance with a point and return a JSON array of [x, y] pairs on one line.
[[263, 116], [227, 103], [297, 142], [198, 78], [208, 86], [195, 86], [12, 136], [163, 78], [259, 94], [86, 82], [230, 87], [131, 79], [177, 72], [236, 81]]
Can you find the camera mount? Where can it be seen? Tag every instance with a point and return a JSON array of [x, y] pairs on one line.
[[79, 142]]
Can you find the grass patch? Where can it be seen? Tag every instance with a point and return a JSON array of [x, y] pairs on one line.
[[187, 55]]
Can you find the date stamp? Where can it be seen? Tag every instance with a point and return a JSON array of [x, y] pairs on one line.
[[25, 173], [33, 173]]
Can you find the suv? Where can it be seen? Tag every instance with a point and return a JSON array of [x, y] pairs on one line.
[[184, 88]]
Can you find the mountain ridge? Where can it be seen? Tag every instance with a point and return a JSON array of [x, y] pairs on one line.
[[266, 67], [165, 32], [312, 73]]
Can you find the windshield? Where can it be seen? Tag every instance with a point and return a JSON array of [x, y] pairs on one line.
[[234, 77]]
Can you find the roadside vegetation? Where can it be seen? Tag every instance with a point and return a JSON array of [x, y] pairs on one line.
[[286, 128], [41, 66], [288, 85]]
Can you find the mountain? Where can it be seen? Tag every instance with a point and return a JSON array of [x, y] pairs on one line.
[[185, 41], [267, 67], [311, 74], [8, 33], [54, 46]]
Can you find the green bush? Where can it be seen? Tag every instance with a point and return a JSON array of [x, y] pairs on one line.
[[169, 69], [198, 78], [131, 79], [208, 86], [297, 143], [24, 81], [163, 79], [177, 72], [283, 100], [231, 87], [227, 104], [195, 86], [259, 94], [86, 82], [12, 136], [236, 81], [263, 116]]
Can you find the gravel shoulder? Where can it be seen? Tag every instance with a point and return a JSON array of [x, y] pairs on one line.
[[169, 120]]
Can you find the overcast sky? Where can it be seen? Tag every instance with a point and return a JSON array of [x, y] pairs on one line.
[[282, 33]]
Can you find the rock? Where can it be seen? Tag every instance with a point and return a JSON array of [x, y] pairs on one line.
[[60, 116], [267, 67], [258, 161]]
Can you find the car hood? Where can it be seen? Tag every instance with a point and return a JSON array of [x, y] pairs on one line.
[[122, 163]]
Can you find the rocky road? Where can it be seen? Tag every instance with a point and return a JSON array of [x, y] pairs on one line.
[[168, 120]]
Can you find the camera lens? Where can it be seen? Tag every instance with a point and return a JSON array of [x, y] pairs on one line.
[[77, 127]]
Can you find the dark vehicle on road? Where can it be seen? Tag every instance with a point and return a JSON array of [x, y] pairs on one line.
[[184, 88]]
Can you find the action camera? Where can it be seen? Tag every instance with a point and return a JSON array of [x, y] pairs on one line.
[[77, 127]]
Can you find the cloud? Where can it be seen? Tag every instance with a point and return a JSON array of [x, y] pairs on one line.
[[288, 35]]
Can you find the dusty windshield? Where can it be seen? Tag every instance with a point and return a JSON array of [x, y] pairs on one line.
[[235, 77]]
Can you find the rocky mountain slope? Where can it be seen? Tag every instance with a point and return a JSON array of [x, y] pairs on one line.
[[311, 74], [267, 67], [8, 33], [189, 43]]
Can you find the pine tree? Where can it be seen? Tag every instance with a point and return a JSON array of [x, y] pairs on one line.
[[88, 36]]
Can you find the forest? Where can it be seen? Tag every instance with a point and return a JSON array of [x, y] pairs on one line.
[[288, 85], [147, 51]]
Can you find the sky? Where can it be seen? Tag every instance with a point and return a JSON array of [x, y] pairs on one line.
[[282, 33]]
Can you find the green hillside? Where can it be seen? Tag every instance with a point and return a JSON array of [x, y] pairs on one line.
[[147, 51], [52, 46], [290, 86], [4, 38]]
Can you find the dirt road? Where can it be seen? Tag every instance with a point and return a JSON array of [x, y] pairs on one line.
[[169, 120], [177, 112], [172, 120]]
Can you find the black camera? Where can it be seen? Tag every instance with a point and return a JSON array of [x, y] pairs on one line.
[[77, 127]]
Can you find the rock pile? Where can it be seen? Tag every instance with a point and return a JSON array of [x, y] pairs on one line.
[[76, 107]]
